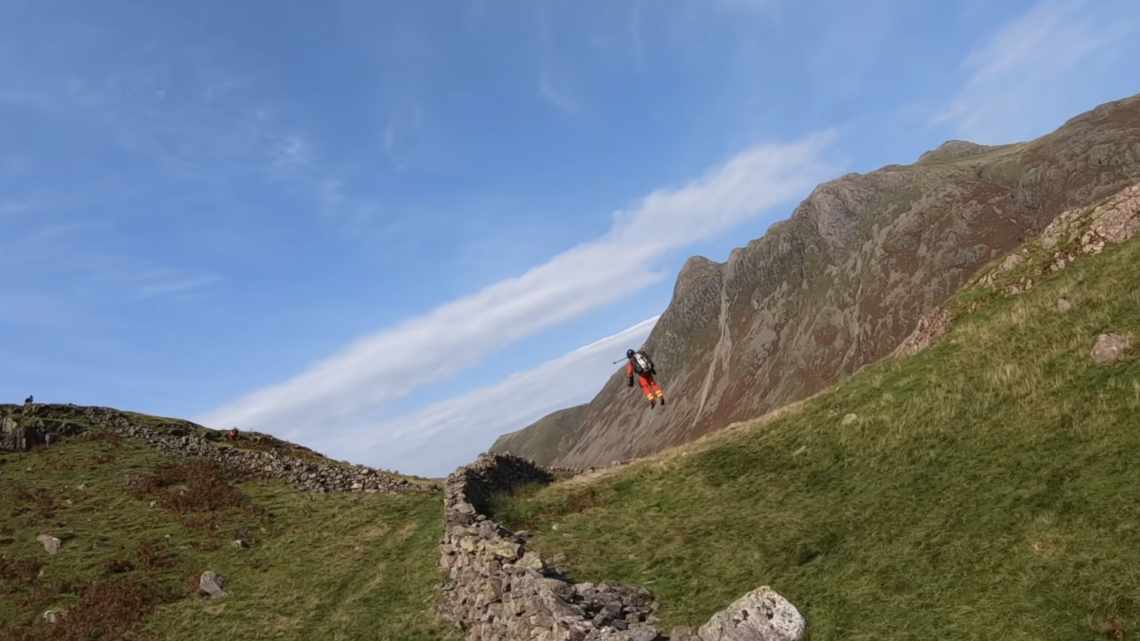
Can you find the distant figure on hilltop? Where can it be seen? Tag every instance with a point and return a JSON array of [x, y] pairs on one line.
[[29, 400], [232, 435], [640, 364]]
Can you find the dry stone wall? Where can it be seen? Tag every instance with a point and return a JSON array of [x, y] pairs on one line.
[[27, 426], [498, 590]]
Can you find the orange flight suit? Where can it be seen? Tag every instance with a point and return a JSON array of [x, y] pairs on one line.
[[652, 390]]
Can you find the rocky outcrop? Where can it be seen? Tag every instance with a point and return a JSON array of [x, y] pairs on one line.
[[930, 328], [23, 427], [1087, 232], [848, 277], [498, 590], [265, 456], [1082, 231]]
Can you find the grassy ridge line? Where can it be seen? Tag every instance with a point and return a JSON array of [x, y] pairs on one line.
[[335, 566], [986, 488]]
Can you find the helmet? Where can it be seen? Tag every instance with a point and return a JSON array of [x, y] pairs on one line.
[[629, 353]]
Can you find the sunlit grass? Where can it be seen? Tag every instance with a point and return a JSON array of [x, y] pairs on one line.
[[989, 487]]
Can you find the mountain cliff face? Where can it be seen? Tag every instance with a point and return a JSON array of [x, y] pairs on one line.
[[839, 284]]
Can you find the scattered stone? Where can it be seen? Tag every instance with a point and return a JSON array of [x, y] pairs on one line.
[[1088, 230], [760, 615], [51, 544], [1110, 348], [1064, 306], [240, 543], [211, 585], [531, 561], [19, 432], [643, 634], [1011, 262], [683, 633], [930, 328], [53, 616], [850, 419]]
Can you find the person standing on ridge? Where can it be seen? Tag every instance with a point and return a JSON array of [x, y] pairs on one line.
[[640, 364]]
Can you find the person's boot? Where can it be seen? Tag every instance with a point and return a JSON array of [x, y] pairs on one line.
[[662, 401], [652, 403]]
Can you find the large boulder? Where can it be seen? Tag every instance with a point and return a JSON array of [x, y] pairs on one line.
[[760, 615]]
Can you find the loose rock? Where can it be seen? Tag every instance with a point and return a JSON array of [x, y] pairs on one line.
[[760, 615], [1110, 348], [211, 585], [51, 544]]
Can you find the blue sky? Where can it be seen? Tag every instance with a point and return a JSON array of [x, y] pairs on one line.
[[392, 231]]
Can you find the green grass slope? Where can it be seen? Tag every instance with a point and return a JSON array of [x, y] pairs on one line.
[[335, 566], [986, 488]]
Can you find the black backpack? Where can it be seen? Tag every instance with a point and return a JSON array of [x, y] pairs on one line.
[[642, 364]]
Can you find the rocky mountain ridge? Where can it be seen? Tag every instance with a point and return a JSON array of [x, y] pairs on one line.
[[840, 284]]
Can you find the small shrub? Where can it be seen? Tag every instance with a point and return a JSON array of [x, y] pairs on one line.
[[20, 571], [38, 500], [155, 555], [104, 436], [106, 610], [117, 566], [186, 488]]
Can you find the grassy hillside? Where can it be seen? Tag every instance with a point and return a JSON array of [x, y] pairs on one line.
[[336, 566], [986, 488]]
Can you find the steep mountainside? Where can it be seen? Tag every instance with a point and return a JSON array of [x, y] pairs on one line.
[[841, 283], [546, 439]]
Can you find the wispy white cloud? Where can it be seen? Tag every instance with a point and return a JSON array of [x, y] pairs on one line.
[[401, 131], [556, 94], [167, 284], [72, 252], [746, 5], [636, 40], [291, 151], [351, 387], [23, 205], [553, 87], [1014, 77], [443, 435]]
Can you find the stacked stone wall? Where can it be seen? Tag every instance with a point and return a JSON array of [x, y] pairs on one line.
[[497, 589], [31, 425]]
